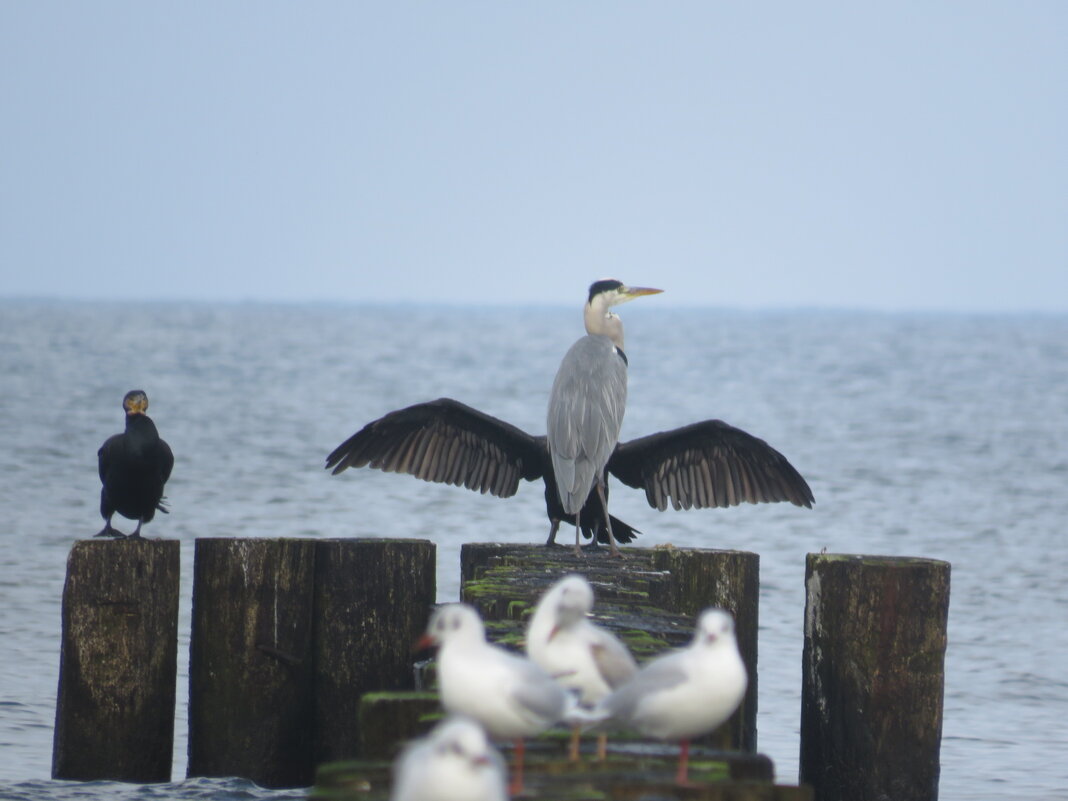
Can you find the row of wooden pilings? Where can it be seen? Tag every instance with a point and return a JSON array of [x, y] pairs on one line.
[[288, 636]]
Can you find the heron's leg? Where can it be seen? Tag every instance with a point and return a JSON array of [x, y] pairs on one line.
[[552, 532], [613, 549], [602, 747], [578, 533]]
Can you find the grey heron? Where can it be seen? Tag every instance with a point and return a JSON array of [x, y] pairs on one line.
[[702, 465], [133, 466], [587, 402]]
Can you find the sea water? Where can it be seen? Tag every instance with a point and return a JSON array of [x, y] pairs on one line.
[[942, 436]]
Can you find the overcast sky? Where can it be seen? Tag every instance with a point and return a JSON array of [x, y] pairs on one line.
[[899, 156]]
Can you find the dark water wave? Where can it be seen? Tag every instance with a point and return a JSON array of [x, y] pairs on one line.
[[190, 789]]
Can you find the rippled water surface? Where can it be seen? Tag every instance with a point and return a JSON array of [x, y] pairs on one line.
[[922, 435]]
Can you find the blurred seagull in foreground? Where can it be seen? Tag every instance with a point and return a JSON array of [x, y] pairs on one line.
[[686, 693], [581, 656], [454, 762], [508, 694]]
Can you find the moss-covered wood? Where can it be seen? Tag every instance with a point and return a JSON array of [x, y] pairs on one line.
[[649, 600], [251, 693], [390, 719], [631, 772], [872, 676], [372, 601], [118, 662]]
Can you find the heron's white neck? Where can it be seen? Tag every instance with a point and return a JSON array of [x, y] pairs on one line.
[[600, 321]]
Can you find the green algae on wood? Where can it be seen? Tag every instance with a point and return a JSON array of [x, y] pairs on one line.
[[630, 773]]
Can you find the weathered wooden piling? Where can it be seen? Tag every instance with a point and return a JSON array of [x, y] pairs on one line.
[[251, 669], [658, 592], [287, 635], [872, 676], [372, 601], [118, 663], [703, 577]]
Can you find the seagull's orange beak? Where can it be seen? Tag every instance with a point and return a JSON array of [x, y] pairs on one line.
[[423, 643]]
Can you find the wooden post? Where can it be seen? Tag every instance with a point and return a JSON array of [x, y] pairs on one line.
[[287, 635], [730, 580], [251, 699], [872, 677], [372, 601], [118, 662]]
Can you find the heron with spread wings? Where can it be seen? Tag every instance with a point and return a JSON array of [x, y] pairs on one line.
[[702, 465]]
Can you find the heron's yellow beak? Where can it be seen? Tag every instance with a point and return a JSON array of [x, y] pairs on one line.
[[631, 292]]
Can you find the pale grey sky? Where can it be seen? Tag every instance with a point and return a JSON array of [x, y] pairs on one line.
[[906, 155]]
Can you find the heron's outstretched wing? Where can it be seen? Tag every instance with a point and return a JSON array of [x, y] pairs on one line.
[[707, 464], [447, 442]]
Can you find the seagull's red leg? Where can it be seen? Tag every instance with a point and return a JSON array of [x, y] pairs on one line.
[[516, 787], [682, 777]]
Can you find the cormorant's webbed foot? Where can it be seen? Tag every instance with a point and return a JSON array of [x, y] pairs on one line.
[[108, 531]]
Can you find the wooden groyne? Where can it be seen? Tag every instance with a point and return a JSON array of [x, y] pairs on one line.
[[287, 636], [300, 656]]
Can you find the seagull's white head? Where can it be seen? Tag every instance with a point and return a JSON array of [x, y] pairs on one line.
[[453, 623], [715, 629], [464, 740], [571, 599]]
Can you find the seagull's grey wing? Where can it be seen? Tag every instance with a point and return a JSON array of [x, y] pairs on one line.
[[707, 464], [661, 674], [447, 442], [538, 694], [612, 658]]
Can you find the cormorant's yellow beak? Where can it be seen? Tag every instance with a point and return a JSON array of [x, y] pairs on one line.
[[135, 403]]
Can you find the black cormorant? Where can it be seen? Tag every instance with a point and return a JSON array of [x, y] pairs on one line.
[[134, 466]]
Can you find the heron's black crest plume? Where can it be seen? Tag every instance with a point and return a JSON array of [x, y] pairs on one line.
[[604, 285]]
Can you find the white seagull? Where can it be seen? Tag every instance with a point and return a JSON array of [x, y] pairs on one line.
[[508, 694], [455, 762], [582, 657], [687, 693]]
